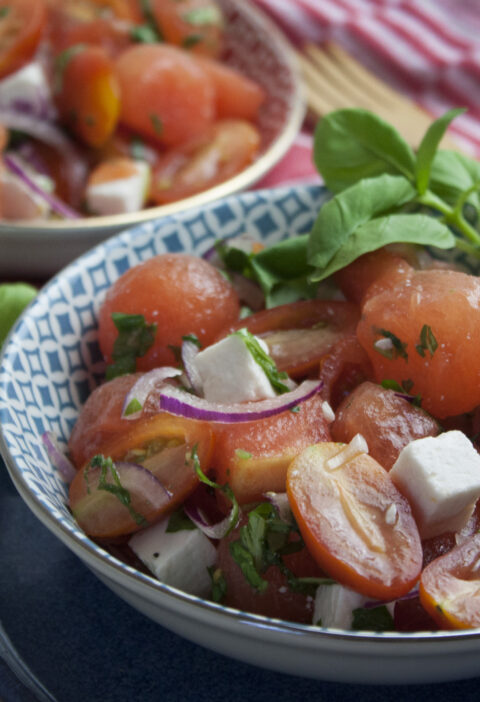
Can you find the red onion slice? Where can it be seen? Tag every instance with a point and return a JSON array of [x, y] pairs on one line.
[[138, 393], [189, 351], [53, 202], [58, 458], [280, 501], [213, 531], [183, 404]]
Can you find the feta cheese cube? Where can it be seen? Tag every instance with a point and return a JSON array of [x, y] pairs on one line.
[[28, 90], [179, 558], [440, 476], [229, 373], [334, 605], [120, 195]]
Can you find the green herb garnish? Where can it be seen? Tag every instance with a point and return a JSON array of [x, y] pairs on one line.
[[428, 341], [397, 347], [145, 34], [266, 362], [156, 123], [179, 521], [219, 584], [114, 487], [374, 619], [204, 15], [61, 62], [134, 339]]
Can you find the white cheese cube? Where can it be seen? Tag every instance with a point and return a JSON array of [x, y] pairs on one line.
[[440, 476], [334, 605], [229, 373], [179, 558], [28, 90], [18, 200], [121, 195]]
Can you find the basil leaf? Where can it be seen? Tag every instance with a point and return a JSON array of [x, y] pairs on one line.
[[114, 486], [342, 216], [61, 62], [408, 228], [453, 174], [375, 619], [428, 147], [134, 339], [352, 144], [179, 522], [266, 363], [244, 559]]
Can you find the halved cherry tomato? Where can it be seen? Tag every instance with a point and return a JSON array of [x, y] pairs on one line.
[[225, 149], [387, 421], [111, 34], [181, 294], [196, 25], [253, 457], [344, 367], [165, 93], [299, 334], [158, 442], [237, 95], [87, 93], [450, 586], [354, 521], [22, 23]]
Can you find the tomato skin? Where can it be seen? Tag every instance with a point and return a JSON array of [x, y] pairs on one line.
[[236, 95], [111, 35], [450, 586], [341, 513], [88, 96], [363, 277], [253, 457], [325, 323], [344, 367], [182, 294], [21, 29], [172, 18], [386, 421], [165, 94], [448, 302], [225, 149]]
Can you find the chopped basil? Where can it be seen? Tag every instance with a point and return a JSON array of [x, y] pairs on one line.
[[107, 468], [428, 341], [264, 539], [192, 40], [145, 34], [193, 457], [157, 123], [61, 63], [204, 15], [133, 406], [147, 12], [403, 388], [179, 522], [4, 11], [243, 455], [137, 149], [375, 619], [193, 338], [134, 339], [219, 584], [397, 347], [266, 362]]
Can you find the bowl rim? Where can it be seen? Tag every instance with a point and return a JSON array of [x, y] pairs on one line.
[[247, 178], [130, 578]]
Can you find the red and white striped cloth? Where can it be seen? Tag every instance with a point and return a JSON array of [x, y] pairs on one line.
[[427, 49]]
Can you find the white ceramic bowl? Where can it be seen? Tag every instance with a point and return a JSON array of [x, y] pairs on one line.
[[256, 46], [50, 363]]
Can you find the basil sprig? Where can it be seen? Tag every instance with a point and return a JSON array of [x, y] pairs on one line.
[[382, 193]]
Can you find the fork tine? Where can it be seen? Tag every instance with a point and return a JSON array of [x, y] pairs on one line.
[[334, 80], [348, 91]]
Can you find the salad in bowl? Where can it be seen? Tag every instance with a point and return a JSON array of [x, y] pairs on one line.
[[257, 422]]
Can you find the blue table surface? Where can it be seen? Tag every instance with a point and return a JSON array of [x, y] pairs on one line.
[[86, 645]]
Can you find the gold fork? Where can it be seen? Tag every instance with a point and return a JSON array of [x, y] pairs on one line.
[[333, 79]]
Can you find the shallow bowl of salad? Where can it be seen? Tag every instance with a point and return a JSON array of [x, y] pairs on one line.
[[57, 356], [81, 164]]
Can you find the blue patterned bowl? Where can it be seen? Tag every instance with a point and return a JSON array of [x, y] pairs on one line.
[[51, 362]]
